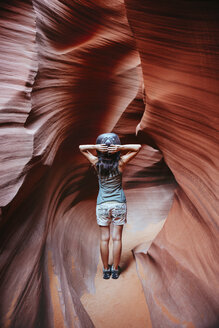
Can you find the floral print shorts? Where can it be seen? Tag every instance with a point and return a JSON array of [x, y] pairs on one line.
[[108, 212]]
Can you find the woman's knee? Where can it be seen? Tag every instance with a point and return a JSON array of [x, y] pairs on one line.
[[117, 233], [117, 237], [105, 237]]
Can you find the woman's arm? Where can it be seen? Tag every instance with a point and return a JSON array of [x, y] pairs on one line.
[[132, 152], [84, 149], [132, 149]]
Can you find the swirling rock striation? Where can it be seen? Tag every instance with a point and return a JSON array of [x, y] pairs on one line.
[[48, 227], [72, 70], [18, 65], [179, 58]]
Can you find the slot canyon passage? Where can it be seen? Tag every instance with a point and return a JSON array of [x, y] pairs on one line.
[[71, 70]]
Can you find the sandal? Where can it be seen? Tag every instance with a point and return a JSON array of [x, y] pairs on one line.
[[116, 273], [107, 272]]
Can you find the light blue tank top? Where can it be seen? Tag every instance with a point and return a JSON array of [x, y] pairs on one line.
[[110, 189]]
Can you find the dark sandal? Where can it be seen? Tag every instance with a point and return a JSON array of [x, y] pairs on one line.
[[116, 273], [107, 272]]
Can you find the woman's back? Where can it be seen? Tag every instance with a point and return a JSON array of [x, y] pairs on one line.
[[110, 189]]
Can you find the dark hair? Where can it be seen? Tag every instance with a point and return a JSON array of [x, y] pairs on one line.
[[108, 163]]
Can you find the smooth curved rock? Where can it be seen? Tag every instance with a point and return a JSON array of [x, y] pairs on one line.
[[48, 228], [75, 79], [18, 65], [178, 50]]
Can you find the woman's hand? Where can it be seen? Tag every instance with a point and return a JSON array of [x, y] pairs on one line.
[[113, 149], [102, 148]]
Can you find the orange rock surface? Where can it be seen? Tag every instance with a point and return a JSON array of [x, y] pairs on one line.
[[71, 70]]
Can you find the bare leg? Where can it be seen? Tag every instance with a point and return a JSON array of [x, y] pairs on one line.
[[104, 245], [117, 245]]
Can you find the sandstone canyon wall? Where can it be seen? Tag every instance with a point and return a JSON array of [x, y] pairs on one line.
[[71, 70]]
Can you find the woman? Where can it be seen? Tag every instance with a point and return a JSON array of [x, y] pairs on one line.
[[111, 200]]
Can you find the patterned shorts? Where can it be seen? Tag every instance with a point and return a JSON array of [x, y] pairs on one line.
[[108, 212]]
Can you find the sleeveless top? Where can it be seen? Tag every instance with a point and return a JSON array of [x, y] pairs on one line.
[[110, 189]]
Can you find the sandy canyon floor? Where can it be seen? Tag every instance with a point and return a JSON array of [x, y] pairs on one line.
[[121, 303]]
